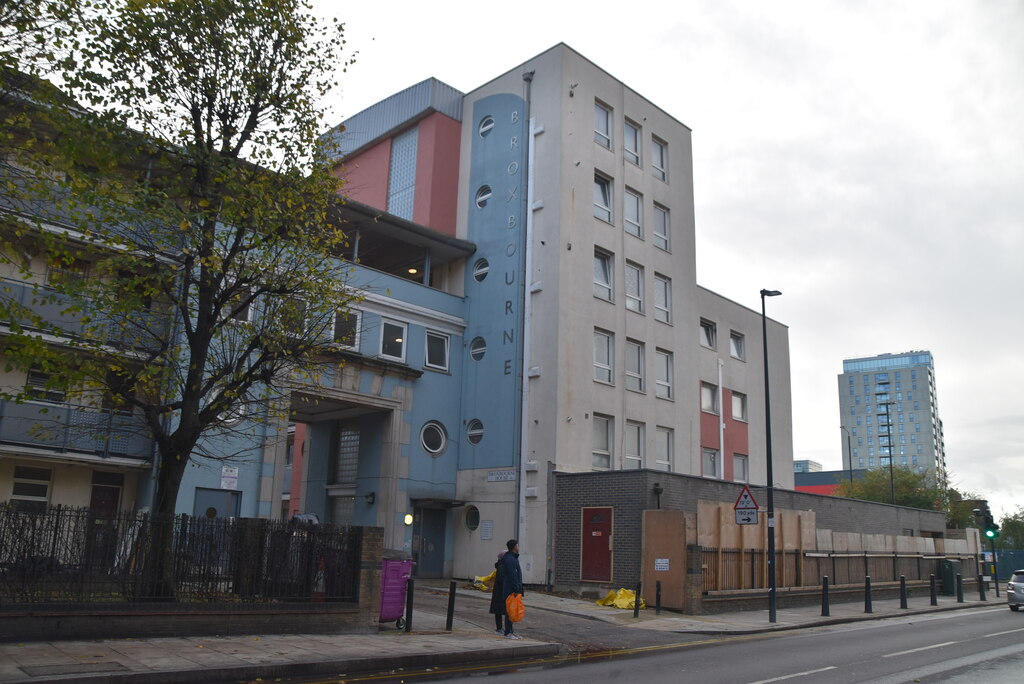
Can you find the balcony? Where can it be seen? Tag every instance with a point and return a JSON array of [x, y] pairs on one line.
[[138, 331], [74, 429]]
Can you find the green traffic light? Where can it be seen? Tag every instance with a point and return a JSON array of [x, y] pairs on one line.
[[990, 534]]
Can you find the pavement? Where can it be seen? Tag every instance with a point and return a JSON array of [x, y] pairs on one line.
[[427, 644]]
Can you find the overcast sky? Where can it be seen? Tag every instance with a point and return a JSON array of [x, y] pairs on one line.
[[865, 158]]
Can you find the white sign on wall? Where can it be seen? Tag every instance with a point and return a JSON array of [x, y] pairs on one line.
[[229, 477], [661, 564], [501, 475]]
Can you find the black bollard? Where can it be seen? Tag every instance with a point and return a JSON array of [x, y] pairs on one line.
[[636, 601], [657, 597], [903, 591], [959, 588], [824, 597], [935, 594], [981, 587], [451, 607], [867, 594], [409, 586]]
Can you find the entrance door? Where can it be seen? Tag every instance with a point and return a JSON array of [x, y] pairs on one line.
[[429, 552], [596, 554], [216, 503], [103, 504]]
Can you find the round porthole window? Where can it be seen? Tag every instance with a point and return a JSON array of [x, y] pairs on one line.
[[434, 438], [480, 270], [477, 348], [486, 126], [482, 195], [472, 518], [475, 431]]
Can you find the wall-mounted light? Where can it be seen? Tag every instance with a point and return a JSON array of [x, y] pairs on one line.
[[413, 271], [658, 491], [370, 498], [408, 518]]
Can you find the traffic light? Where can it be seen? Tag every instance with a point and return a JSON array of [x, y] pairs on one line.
[[991, 529]]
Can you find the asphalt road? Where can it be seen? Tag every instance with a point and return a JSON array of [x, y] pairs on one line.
[[984, 645]]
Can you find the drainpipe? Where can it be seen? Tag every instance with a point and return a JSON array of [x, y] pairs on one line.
[[720, 466], [524, 322]]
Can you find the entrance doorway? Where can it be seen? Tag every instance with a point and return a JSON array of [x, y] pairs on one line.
[[428, 541], [596, 554]]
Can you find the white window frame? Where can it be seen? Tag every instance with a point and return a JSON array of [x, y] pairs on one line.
[[633, 446], [708, 333], [659, 159], [403, 340], [662, 228], [664, 446], [739, 401], [633, 213], [604, 198], [631, 144], [292, 332], [634, 287], [737, 476], [607, 269], [36, 389], [664, 370], [712, 454], [604, 369], [603, 119], [662, 298], [446, 339], [634, 365], [602, 442], [737, 345], [24, 479], [709, 402], [358, 315]]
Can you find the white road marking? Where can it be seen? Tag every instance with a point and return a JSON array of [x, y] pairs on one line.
[[916, 650], [796, 674], [1010, 631]]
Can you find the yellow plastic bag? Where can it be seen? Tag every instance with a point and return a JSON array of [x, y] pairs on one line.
[[623, 598], [483, 583]]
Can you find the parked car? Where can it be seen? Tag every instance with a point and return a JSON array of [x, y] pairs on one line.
[[1015, 590]]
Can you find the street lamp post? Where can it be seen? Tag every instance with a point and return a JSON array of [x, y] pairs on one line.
[[849, 450], [768, 454], [888, 434]]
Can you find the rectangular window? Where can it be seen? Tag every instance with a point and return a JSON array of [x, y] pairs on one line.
[[634, 287], [602, 125], [67, 271], [31, 488], [634, 366], [293, 317], [603, 356], [633, 449], [240, 304], [631, 142], [392, 340], [663, 449], [708, 397], [633, 213], [37, 386], [740, 468], [602, 443], [346, 328], [739, 406], [437, 351], [402, 173], [602, 197], [345, 464], [603, 275], [737, 345], [659, 159], [709, 462], [663, 373], [662, 298], [661, 230], [708, 333]]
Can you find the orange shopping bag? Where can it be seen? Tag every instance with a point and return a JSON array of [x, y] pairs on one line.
[[514, 607]]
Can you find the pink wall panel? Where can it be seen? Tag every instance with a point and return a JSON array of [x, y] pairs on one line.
[[366, 175], [437, 173]]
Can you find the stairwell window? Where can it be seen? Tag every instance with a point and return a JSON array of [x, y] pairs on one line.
[[634, 287], [604, 356], [661, 229], [659, 159], [603, 275], [663, 374], [662, 298], [631, 142], [633, 213], [633, 449], [663, 449], [634, 365], [602, 441]]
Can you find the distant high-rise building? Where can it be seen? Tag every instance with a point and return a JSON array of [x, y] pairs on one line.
[[887, 403], [805, 465]]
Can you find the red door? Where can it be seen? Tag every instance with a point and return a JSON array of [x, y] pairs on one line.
[[596, 554]]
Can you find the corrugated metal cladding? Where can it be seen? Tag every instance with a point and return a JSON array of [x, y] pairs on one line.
[[391, 113]]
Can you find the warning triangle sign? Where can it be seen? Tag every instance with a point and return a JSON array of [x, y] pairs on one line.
[[745, 500]]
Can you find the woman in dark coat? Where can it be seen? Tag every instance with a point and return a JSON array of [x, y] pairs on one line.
[[498, 595], [512, 580]]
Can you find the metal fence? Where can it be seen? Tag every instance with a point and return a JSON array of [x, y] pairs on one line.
[[731, 569], [70, 555]]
